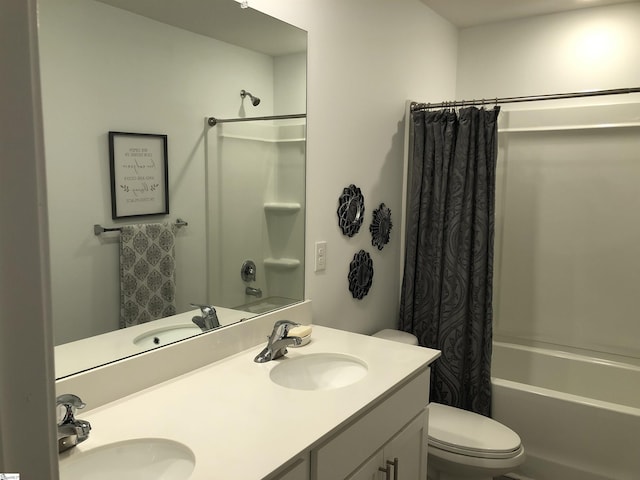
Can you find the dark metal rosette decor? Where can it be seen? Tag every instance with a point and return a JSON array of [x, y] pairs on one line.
[[380, 227], [350, 210], [360, 274]]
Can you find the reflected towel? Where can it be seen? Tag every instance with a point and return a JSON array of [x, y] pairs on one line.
[[147, 273]]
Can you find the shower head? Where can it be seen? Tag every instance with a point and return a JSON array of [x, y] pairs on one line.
[[255, 101]]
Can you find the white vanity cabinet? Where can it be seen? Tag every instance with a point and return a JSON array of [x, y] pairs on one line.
[[394, 427]]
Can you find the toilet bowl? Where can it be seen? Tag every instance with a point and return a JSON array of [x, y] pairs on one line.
[[465, 445]]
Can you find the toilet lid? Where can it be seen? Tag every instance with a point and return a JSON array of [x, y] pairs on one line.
[[397, 336], [468, 433]]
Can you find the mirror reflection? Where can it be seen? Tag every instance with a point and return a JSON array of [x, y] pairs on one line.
[[163, 68]]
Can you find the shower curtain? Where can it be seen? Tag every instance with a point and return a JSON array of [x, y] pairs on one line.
[[447, 284]]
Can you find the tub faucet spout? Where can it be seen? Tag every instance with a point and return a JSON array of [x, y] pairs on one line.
[[256, 292], [278, 342]]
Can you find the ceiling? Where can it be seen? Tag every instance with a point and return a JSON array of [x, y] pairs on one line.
[[224, 20], [467, 13]]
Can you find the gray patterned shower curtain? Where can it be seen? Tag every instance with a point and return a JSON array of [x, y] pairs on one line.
[[448, 272]]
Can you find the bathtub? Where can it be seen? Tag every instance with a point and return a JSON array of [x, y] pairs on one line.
[[578, 416]]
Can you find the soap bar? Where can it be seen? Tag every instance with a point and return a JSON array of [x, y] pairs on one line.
[[300, 331]]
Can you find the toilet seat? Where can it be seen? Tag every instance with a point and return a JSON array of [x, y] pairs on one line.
[[466, 433]]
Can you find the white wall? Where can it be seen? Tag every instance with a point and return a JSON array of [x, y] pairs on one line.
[[366, 58], [589, 49], [567, 252], [27, 419]]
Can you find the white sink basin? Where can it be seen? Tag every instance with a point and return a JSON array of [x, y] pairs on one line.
[[318, 371], [139, 459], [165, 335]]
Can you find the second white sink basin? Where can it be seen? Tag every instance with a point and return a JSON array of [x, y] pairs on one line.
[[165, 335], [139, 459], [318, 371]]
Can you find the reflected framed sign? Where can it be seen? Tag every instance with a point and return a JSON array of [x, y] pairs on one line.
[[138, 165]]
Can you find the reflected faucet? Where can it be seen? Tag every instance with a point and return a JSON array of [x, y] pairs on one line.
[[71, 431], [278, 342], [256, 292], [208, 320]]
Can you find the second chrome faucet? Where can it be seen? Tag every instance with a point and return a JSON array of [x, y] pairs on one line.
[[278, 342]]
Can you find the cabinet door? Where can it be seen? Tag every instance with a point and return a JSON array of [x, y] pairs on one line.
[[341, 455], [407, 451], [370, 470], [409, 446]]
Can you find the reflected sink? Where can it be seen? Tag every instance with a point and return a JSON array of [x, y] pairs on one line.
[[139, 459], [165, 335], [318, 371]]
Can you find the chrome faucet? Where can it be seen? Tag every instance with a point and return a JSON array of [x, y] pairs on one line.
[[208, 320], [71, 431], [256, 292], [278, 342]]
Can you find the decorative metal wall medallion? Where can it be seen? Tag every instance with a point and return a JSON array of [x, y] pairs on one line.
[[360, 274], [380, 227], [351, 210]]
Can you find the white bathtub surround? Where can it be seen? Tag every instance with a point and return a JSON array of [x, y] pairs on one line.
[[578, 416], [241, 425]]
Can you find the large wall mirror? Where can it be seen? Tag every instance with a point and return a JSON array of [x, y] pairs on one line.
[[164, 67]]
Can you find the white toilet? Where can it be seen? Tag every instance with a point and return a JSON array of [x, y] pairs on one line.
[[465, 445]]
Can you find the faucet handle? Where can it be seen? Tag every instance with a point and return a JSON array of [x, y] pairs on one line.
[[205, 309], [281, 328], [66, 406]]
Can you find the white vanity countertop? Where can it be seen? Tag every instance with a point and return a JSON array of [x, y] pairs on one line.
[[241, 425]]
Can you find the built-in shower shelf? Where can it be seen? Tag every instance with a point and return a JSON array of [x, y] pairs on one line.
[[282, 263], [287, 207]]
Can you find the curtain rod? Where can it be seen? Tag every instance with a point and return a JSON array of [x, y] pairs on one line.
[[534, 98], [213, 121]]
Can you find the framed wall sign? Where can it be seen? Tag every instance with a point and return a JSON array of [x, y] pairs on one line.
[[139, 174]]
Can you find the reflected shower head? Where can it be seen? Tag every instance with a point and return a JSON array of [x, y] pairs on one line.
[[255, 101]]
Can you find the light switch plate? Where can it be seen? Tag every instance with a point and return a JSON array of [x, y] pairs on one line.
[[321, 256]]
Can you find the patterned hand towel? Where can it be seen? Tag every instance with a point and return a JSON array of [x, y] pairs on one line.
[[147, 273]]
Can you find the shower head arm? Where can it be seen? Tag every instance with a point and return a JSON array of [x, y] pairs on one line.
[[254, 100]]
